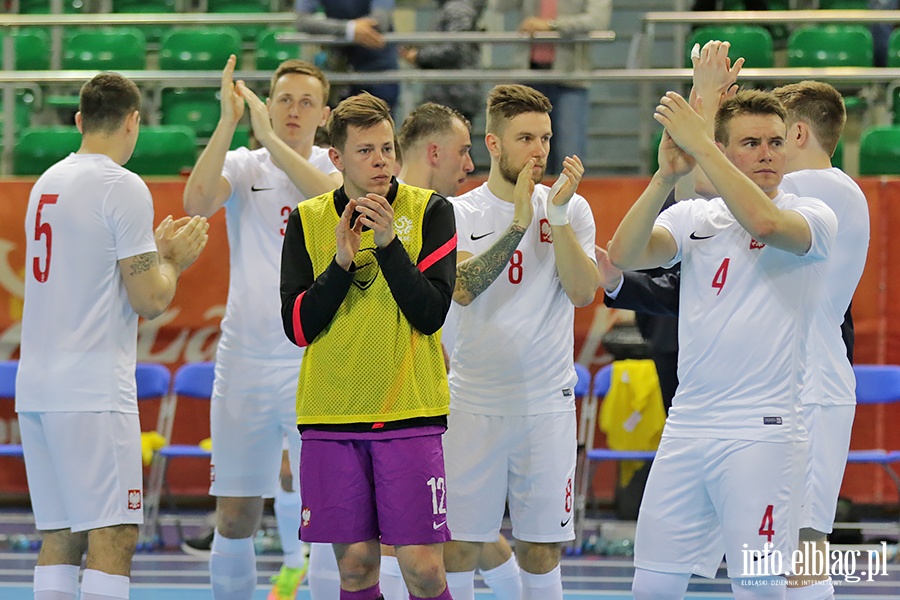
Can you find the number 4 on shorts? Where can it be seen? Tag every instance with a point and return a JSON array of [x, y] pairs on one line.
[[767, 525]]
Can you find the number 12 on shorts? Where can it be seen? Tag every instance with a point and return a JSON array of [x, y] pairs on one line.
[[767, 525], [438, 495]]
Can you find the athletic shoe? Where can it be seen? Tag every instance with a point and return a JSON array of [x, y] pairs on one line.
[[198, 546], [287, 581]]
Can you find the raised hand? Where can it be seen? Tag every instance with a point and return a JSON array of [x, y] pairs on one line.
[[524, 210], [715, 76], [568, 181], [377, 214], [181, 241], [348, 238], [683, 124], [232, 103], [610, 276], [259, 114]]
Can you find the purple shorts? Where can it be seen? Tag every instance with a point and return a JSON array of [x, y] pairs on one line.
[[358, 490]]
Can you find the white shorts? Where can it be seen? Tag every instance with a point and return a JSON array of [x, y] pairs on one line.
[[707, 497], [528, 461], [253, 414], [84, 469], [829, 442]]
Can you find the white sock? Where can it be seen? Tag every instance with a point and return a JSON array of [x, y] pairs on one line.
[[97, 585], [287, 516], [392, 585], [505, 581], [542, 587], [324, 577], [56, 582], [461, 585], [232, 568], [821, 590]]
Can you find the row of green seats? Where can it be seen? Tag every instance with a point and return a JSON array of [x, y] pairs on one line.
[[160, 150], [125, 48]]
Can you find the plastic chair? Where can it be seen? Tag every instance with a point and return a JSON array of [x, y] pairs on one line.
[[192, 381], [270, 53], [105, 49], [199, 49], [837, 159], [752, 42], [199, 109], [32, 48], [40, 147], [879, 150], [164, 150], [153, 33], [241, 137], [843, 4], [893, 56], [42, 7], [877, 384], [250, 31], [831, 46]]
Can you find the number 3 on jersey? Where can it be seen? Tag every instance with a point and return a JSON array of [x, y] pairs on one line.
[[718, 281], [515, 267], [42, 229]]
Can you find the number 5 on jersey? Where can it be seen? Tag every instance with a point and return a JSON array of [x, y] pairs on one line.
[[44, 230]]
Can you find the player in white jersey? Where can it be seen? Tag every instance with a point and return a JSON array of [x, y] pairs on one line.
[[728, 474], [525, 261], [252, 407], [93, 265], [815, 119]]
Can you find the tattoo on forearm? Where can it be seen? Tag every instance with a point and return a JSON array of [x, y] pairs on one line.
[[144, 262], [474, 275]]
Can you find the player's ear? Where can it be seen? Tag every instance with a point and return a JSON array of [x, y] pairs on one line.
[[78, 122], [434, 153], [326, 111], [492, 141], [336, 159]]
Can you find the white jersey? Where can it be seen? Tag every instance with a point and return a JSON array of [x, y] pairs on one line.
[[743, 322], [514, 351], [79, 332], [829, 378], [256, 213]]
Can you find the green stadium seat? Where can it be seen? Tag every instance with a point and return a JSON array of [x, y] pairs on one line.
[[199, 109], [164, 150], [40, 147], [879, 151], [837, 159], [843, 4], [32, 48], [241, 137], [199, 49], [893, 57], [24, 107], [831, 46], [752, 42], [248, 32], [42, 7], [270, 52], [105, 49], [153, 33]]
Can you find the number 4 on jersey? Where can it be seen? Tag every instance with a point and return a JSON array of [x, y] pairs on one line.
[[718, 281]]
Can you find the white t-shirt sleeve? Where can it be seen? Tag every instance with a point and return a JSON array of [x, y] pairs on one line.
[[461, 211], [677, 220], [129, 209], [233, 167], [822, 225]]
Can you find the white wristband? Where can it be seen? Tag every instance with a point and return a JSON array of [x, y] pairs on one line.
[[557, 215]]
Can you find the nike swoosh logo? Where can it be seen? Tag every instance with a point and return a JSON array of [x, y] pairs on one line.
[[439, 525], [253, 188], [564, 523], [478, 237], [758, 558], [694, 236]]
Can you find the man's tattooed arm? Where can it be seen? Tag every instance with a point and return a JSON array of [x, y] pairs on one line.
[[144, 262], [475, 274]]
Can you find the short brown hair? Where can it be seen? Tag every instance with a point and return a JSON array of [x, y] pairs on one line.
[[362, 110], [428, 119], [746, 102], [300, 67], [105, 102], [505, 102], [818, 105]]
